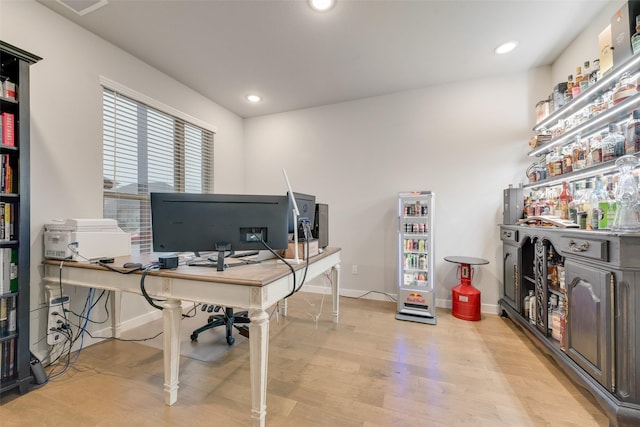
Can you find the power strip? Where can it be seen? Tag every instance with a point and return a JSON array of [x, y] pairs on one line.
[[56, 319]]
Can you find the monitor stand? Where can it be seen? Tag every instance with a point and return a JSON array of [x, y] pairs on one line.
[[221, 248]]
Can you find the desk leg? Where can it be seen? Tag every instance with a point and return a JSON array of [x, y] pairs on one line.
[[259, 355], [116, 304], [283, 306], [335, 291], [172, 314]]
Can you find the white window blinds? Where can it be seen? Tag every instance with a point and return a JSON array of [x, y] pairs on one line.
[[146, 150]]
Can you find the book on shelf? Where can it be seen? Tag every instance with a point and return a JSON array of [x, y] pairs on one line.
[[9, 90], [7, 214], [8, 130], [13, 270], [6, 174], [11, 314], [8, 270], [7, 355], [4, 318]]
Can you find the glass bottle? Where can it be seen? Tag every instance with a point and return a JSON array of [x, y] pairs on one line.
[[554, 162], [563, 306], [527, 304], [568, 93], [627, 217], [594, 76], [632, 137], [532, 310], [625, 88], [635, 39], [586, 72], [574, 204], [552, 201], [558, 96], [578, 153], [595, 147], [567, 159], [607, 207], [597, 196], [586, 203], [577, 79], [612, 144], [565, 199]]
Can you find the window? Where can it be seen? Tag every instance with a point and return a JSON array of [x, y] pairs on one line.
[[146, 150]]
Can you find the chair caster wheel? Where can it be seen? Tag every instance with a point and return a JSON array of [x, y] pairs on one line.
[[194, 337], [231, 340]]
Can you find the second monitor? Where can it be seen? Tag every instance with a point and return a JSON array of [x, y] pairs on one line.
[[307, 207]]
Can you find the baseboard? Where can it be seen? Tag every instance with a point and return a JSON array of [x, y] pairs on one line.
[[381, 296]]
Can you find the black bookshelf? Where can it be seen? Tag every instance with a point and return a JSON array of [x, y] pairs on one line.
[[15, 355]]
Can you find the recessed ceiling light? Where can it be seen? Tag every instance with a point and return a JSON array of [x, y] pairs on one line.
[[506, 47], [322, 5], [254, 98]]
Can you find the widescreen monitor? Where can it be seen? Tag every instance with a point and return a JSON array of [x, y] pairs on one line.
[[187, 222]]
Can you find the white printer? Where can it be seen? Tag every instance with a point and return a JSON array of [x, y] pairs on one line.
[[85, 239]]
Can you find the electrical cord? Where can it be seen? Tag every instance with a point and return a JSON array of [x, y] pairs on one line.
[[151, 301]]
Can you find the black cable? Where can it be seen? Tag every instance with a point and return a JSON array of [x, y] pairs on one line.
[[146, 296], [293, 272]]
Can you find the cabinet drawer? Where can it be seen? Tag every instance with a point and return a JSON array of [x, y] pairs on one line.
[[587, 248], [509, 235]]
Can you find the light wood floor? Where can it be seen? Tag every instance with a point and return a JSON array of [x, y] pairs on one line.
[[370, 370]]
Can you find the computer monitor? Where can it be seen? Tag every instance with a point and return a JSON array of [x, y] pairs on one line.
[[307, 207], [187, 222]]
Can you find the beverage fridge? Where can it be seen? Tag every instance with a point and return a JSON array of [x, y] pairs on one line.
[[416, 299]]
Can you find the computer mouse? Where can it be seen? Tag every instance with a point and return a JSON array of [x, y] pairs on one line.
[[132, 265]]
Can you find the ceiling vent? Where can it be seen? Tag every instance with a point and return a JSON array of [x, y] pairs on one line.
[[82, 7]]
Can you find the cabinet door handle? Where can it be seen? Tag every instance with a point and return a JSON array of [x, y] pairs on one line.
[[578, 248]]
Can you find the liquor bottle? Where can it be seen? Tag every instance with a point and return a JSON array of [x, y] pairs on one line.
[[597, 196], [527, 303], [574, 204], [563, 323], [575, 152], [586, 72], [567, 159], [625, 88], [565, 199], [558, 96], [561, 274], [595, 72], [577, 79], [632, 137], [532, 310], [554, 162], [552, 305], [585, 206], [635, 39], [607, 206], [609, 143], [568, 93], [595, 148]]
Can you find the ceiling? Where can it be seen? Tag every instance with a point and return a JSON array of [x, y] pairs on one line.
[[296, 58]]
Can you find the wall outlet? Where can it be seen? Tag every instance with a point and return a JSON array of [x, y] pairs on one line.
[[56, 319], [354, 269]]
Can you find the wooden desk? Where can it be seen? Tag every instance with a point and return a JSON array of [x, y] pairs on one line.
[[253, 287]]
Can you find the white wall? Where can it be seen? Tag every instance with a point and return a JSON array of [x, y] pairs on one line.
[[466, 142], [66, 128]]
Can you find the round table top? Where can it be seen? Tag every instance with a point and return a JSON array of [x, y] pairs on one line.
[[466, 260]]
